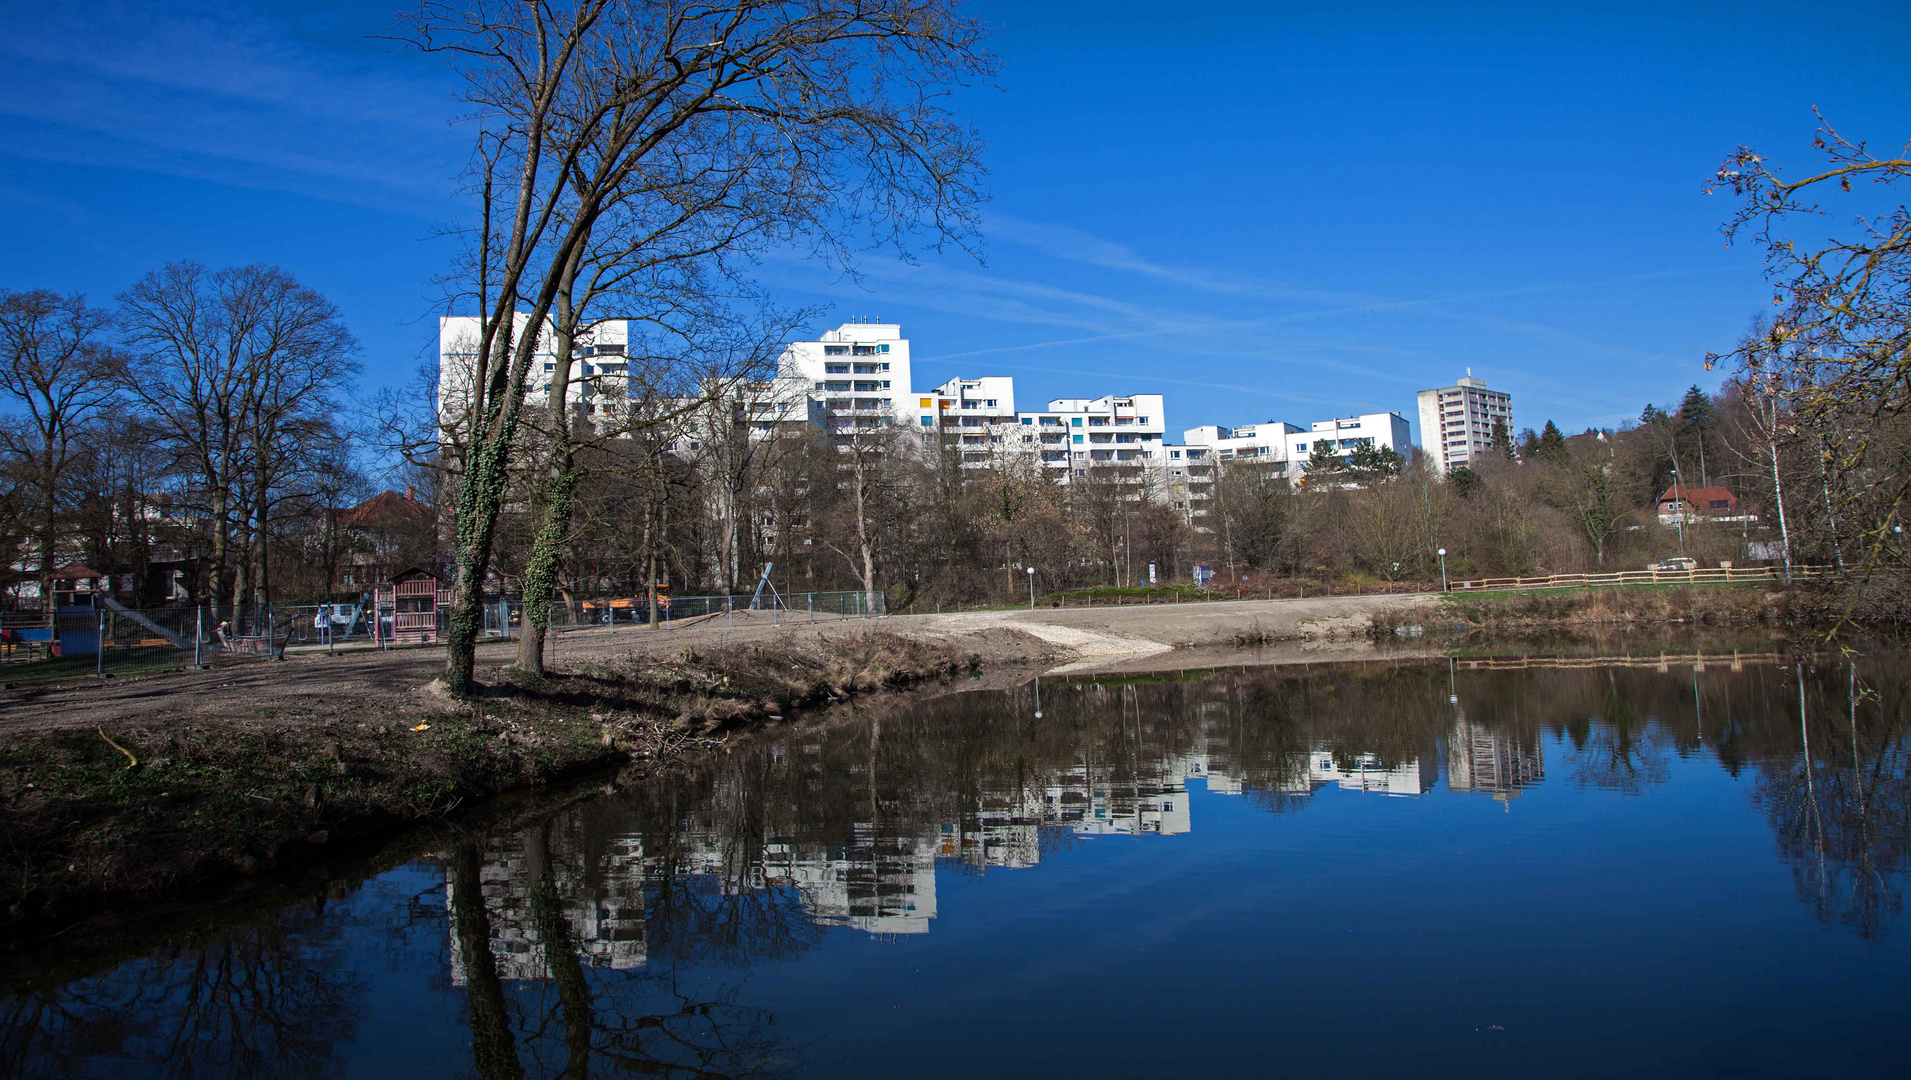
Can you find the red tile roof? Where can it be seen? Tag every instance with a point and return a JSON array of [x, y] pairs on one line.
[[1700, 497], [383, 510]]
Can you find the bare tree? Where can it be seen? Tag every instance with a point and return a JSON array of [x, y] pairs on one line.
[[831, 110], [1837, 355], [54, 362], [240, 373]]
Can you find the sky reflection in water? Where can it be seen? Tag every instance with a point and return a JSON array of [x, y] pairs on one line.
[[1580, 871]]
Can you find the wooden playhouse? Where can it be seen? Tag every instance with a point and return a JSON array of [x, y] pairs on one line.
[[410, 609]]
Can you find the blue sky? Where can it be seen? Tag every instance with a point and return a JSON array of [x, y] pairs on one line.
[[1262, 211]]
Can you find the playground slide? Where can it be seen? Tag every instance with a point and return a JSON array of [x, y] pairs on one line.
[[158, 630]]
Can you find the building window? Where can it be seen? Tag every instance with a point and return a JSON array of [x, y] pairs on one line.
[[835, 350]]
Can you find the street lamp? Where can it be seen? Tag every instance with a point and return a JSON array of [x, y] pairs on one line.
[[1031, 588], [1443, 569]]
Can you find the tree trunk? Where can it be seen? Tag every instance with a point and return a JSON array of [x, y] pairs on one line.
[[862, 531], [49, 537], [540, 570], [560, 952], [1778, 500], [216, 586], [242, 540], [493, 1050], [261, 570], [650, 561]]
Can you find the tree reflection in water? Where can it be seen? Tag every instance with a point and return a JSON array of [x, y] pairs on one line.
[[253, 1000], [1620, 751], [613, 936], [545, 1000], [1840, 804]]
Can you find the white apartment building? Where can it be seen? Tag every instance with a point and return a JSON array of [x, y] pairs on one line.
[[975, 415], [1388, 430], [1456, 422], [1259, 443], [857, 373], [1074, 434], [599, 374]]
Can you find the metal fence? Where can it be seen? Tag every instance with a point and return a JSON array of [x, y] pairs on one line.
[[115, 640], [504, 619]]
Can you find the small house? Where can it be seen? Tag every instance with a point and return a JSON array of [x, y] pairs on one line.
[[1683, 504]]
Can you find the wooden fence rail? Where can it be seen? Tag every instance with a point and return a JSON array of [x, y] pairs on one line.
[[1695, 576]]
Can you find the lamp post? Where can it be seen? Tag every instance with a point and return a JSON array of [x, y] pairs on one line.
[[1031, 588], [1443, 570]]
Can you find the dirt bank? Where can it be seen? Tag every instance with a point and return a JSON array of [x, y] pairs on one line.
[[1584, 609], [142, 805], [114, 793]]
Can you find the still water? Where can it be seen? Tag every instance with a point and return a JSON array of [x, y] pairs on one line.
[[1517, 867]]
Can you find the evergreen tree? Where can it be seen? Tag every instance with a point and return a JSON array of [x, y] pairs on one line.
[[1367, 464], [1464, 480], [1501, 441], [1551, 446], [1695, 409]]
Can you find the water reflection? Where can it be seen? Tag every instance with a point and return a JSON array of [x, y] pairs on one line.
[[258, 1000], [620, 934]]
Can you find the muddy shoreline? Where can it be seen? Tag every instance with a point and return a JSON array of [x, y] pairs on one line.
[[144, 801], [143, 817]]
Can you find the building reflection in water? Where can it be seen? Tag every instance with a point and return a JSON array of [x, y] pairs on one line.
[[1494, 761], [613, 935], [1124, 771]]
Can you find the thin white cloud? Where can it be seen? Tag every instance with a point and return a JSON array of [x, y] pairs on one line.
[[225, 95]]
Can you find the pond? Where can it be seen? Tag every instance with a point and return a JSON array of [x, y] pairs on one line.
[[1523, 865]]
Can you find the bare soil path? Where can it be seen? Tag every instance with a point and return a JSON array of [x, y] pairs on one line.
[[366, 686]]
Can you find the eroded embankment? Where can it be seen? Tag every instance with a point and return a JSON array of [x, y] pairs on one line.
[[95, 822], [1578, 609]]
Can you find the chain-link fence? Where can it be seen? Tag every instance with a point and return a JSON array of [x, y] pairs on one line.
[[80, 642]]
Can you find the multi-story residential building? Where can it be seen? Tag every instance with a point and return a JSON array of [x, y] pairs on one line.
[[1259, 443], [972, 416], [858, 374], [599, 375], [1112, 429], [1388, 430], [1456, 422]]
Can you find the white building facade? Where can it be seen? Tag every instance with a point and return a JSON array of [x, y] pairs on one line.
[[598, 378], [858, 374], [1343, 435], [1258, 443], [1456, 422], [976, 417], [1115, 429]]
